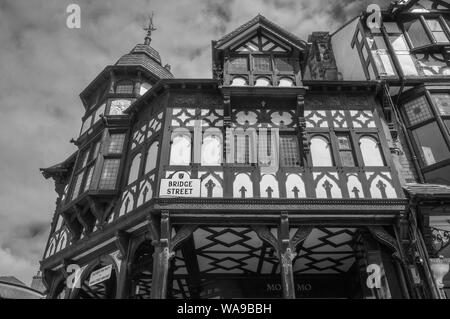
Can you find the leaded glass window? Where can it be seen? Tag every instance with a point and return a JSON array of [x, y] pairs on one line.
[[345, 151], [239, 64], [261, 63], [289, 152], [109, 174], [116, 143], [124, 87], [418, 111]]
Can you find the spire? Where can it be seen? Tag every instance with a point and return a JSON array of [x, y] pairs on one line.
[[149, 29]]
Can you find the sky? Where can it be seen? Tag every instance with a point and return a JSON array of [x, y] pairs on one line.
[[44, 66]]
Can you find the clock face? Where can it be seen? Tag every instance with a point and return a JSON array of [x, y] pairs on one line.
[[118, 106]]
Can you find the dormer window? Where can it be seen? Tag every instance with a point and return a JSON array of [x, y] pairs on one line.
[[261, 60]]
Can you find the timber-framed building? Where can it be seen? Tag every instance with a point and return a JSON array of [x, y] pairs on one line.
[[173, 192]]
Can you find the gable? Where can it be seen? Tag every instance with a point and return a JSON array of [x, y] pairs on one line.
[[260, 43]]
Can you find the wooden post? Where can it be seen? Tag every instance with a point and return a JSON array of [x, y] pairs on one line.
[[286, 255], [161, 259]]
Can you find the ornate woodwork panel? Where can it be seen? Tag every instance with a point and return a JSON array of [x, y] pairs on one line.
[[59, 240], [235, 250], [325, 251]]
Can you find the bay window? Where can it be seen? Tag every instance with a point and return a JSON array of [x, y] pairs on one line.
[[101, 155], [428, 119]]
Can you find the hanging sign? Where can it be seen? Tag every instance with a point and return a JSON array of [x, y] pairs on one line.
[[180, 185], [100, 275]]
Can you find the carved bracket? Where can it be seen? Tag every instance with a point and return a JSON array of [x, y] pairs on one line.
[[184, 233]]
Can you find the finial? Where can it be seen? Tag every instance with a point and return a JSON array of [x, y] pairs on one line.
[[149, 29]]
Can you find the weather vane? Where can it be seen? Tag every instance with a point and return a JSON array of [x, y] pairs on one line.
[[149, 29]]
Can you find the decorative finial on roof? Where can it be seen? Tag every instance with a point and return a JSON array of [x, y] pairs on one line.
[[149, 29]]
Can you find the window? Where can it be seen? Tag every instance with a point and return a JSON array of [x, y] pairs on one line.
[[78, 181], [370, 151], [439, 176], [242, 149], [345, 151], [431, 143], [133, 175], [286, 82], [124, 87], [212, 150], [284, 64], [320, 151], [261, 63], [418, 111], [401, 49], [262, 81], [428, 125], [416, 33], [116, 143], [383, 60], [437, 31], [289, 152], [109, 174], [238, 64], [152, 157], [85, 168], [180, 151], [239, 81]]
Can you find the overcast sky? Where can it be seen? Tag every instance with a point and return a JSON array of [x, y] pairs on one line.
[[44, 66]]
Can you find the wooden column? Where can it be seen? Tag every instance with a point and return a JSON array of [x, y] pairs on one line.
[[286, 255], [161, 259], [122, 243]]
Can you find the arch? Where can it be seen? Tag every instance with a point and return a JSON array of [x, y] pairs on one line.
[[152, 156], [180, 150], [51, 248], [242, 184], [141, 270], [133, 174], [124, 87], [321, 151], [285, 82], [238, 81], [62, 242], [104, 290], [262, 81], [269, 186], [370, 151], [295, 187]]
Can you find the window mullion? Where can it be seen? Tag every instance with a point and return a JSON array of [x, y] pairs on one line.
[[427, 30], [438, 118]]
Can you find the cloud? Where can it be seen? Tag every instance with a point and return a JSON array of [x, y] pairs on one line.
[[44, 65]]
